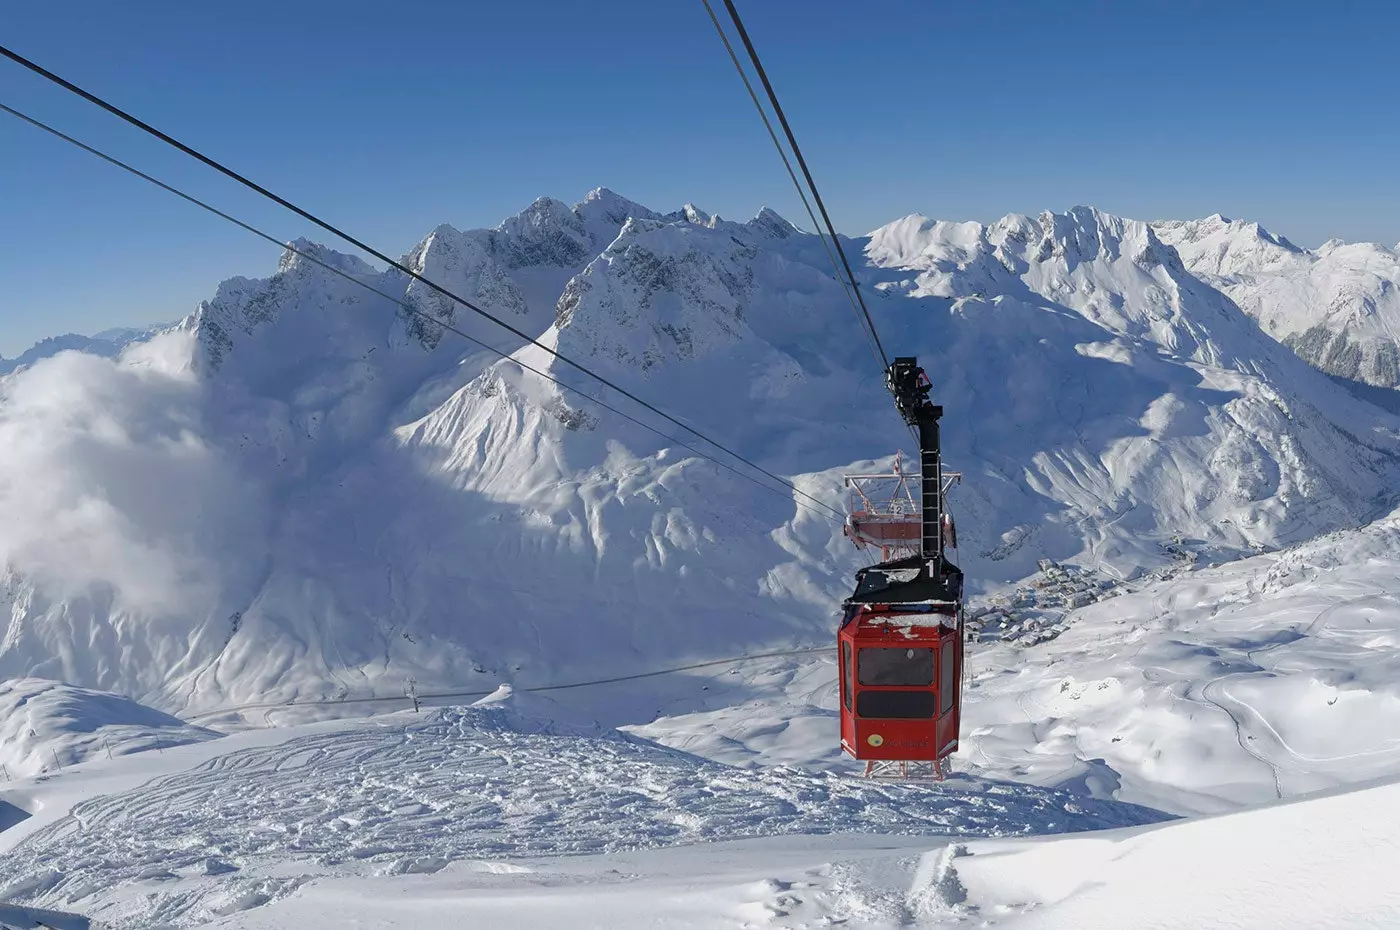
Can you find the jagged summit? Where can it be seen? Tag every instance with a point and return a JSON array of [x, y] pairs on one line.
[[1065, 256], [1217, 245], [612, 206], [770, 222], [1337, 306], [294, 259]]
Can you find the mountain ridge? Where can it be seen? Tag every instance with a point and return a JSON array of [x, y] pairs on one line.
[[1337, 306], [371, 499]]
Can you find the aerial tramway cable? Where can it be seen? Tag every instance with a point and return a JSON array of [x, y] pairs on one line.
[[399, 266], [867, 329], [405, 305], [847, 278], [802, 163]]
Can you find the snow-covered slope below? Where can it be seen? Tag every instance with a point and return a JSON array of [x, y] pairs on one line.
[[408, 794], [46, 725], [1221, 687], [1232, 685], [469, 818], [365, 825], [1337, 306], [1319, 864], [305, 490]]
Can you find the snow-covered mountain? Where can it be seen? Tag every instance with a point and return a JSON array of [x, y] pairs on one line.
[[1337, 306], [305, 489], [108, 343], [1130, 400]]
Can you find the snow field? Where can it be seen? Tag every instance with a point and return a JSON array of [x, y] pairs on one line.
[[1256, 680], [407, 794], [1315, 864]]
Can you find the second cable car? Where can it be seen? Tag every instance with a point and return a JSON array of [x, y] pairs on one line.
[[901, 636]]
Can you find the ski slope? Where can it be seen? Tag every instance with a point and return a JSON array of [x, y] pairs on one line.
[[1318, 864], [408, 794]]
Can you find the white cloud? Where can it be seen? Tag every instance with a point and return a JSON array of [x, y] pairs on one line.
[[108, 479]]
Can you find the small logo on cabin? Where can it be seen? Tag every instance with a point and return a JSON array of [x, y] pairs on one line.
[[875, 739]]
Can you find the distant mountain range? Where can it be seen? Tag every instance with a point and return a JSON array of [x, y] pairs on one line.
[[303, 489], [107, 343]]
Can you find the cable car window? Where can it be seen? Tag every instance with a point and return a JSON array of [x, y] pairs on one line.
[[948, 678], [896, 666], [846, 664], [896, 704]]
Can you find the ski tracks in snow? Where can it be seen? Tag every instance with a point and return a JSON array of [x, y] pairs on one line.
[[392, 797]]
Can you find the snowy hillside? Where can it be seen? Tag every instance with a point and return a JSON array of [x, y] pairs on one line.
[[1220, 687], [1261, 679], [485, 816], [409, 794], [1337, 306], [305, 491], [1320, 865], [46, 725]]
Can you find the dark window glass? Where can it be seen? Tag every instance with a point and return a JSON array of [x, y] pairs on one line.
[[895, 704], [846, 673], [948, 677], [896, 666]]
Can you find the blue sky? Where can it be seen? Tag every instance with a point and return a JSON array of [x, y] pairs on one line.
[[390, 123]]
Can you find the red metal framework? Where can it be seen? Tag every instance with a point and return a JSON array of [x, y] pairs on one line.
[[884, 513]]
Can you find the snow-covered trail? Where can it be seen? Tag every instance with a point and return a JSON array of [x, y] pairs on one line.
[[409, 794]]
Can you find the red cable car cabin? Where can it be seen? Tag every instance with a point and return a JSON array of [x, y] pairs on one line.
[[901, 684], [901, 637]]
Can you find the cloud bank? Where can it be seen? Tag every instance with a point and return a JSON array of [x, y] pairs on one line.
[[110, 481]]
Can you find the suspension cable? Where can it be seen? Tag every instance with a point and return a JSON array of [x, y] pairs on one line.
[[410, 308], [802, 163], [399, 266], [870, 337]]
